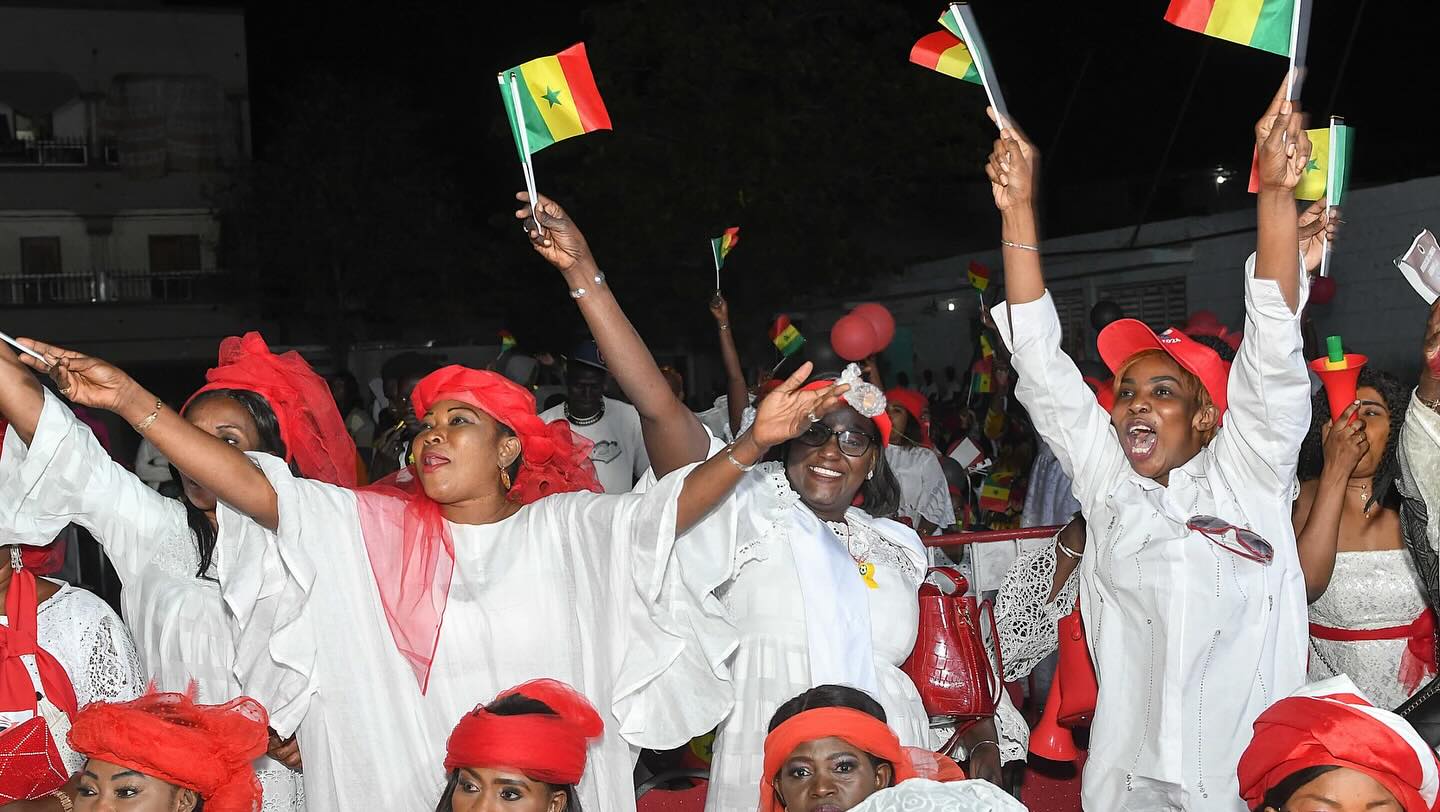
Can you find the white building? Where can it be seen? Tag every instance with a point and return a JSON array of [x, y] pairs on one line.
[[116, 126]]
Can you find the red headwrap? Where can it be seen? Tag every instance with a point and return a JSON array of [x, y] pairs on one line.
[[17, 639], [541, 746], [413, 575], [857, 727], [1329, 724], [310, 423], [916, 404], [206, 748]]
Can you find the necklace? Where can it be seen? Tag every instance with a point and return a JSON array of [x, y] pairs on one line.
[[1364, 489], [584, 421]]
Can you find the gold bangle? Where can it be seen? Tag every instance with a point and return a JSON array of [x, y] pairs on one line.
[[150, 421], [65, 802]]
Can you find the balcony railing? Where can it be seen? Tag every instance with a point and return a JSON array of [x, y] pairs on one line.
[[105, 286], [54, 152]]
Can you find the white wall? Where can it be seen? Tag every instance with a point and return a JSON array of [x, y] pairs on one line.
[[1374, 310], [127, 247]]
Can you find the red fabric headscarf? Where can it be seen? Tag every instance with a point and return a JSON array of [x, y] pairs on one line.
[[1329, 724], [857, 727], [310, 423], [541, 746], [17, 639], [413, 575], [206, 748], [916, 404]]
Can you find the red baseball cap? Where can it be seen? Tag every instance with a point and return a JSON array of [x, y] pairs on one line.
[[1125, 337]]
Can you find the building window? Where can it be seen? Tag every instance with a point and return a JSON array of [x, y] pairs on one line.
[[39, 257], [171, 253], [1160, 303]]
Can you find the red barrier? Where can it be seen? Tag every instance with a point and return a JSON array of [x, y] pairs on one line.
[[987, 536]]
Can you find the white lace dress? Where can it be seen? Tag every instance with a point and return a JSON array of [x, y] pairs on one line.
[[923, 795], [83, 634], [1026, 621], [1368, 590], [178, 620]]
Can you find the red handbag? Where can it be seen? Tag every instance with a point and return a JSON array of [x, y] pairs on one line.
[[949, 665]]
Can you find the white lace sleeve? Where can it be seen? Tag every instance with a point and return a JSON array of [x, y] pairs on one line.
[[1026, 622], [113, 672]]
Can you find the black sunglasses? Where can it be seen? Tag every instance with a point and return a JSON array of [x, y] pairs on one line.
[[852, 443]]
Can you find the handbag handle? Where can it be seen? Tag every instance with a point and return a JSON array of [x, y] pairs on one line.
[[995, 645], [956, 579]]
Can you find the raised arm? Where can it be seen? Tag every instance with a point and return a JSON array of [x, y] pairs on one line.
[[783, 415], [21, 398], [212, 462], [674, 436], [1316, 515], [737, 395], [1014, 170], [1282, 150]]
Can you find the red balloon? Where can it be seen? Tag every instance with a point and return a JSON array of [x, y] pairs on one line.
[[1322, 290], [879, 317], [853, 338]]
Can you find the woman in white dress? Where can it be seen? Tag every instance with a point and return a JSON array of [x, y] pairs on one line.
[[339, 596], [55, 472], [1368, 614]]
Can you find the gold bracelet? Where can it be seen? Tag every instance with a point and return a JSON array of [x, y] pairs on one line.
[[65, 802], [141, 427]]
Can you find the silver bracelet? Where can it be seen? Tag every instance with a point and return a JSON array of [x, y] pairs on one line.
[[1066, 550], [730, 455], [976, 746], [581, 293], [724, 326], [1022, 246]]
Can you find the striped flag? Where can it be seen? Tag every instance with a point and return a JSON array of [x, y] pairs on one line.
[[979, 276], [558, 99], [722, 244], [1330, 150], [785, 337], [942, 51], [1263, 24]]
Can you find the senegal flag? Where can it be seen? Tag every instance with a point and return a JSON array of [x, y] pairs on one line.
[[785, 337], [558, 99], [942, 51], [979, 276], [1329, 164], [1263, 24], [722, 244]]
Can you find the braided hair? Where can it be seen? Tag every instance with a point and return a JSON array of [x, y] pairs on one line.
[[1396, 398]]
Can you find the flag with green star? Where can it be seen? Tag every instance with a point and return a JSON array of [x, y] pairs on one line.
[[1329, 165], [558, 99]]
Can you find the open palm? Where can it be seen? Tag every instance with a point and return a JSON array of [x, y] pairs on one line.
[[788, 411]]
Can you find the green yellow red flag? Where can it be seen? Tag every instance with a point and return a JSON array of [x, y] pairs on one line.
[[1263, 24], [979, 276], [942, 51], [1329, 165], [558, 99], [785, 337], [722, 244]]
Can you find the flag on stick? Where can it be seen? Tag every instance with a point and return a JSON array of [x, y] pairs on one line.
[[960, 21], [720, 247], [1263, 24], [1337, 175], [942, 51], [557, 99], [979, 276], [1329, 166], [785, 337]]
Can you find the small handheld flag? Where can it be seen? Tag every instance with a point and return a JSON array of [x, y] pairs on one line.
[[1330, 149], [960, 21], [785, 337], [1278, 26], [1337, 175], [943, 52], [979, 276], [721, 246], [22, 348]]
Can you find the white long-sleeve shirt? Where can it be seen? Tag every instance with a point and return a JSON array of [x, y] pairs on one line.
[[1190, 642]]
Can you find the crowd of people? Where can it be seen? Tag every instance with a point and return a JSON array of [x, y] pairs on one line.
[[526, 595]]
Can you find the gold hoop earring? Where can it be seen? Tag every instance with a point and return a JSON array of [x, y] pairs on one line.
[[504, 479]]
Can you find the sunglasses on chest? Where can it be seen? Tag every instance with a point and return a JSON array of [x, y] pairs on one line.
[[1238, 540]]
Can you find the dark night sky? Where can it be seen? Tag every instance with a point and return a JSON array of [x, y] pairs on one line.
[[1122, 109]]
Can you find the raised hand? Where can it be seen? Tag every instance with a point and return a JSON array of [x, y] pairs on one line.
[[1345, 443], [84, 380], [1012, 168], [1281, 145], [719, 308], [788, 411], [562, 244], [1317, 224]]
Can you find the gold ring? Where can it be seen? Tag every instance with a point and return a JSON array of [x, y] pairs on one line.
[[66, 391]]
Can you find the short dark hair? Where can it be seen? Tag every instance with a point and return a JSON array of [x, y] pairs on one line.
[[1279, 795], [1221, 347], [513, 705]]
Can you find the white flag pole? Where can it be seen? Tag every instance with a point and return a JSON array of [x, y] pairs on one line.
[[715, 254], [970, 33], [1332, 176], [22, 348], [525, 148], [1299, 37]]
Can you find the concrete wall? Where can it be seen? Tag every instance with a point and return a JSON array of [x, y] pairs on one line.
[[126, 247], [1374, 310]]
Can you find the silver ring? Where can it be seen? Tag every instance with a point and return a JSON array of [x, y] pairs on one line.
[[813, 418]]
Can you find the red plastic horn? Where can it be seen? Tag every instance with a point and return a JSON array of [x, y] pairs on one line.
[[1339, 383], [1050, 739], [1082, 690]]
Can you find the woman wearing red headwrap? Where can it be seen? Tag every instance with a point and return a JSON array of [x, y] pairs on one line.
[[830, 750], [369, 621], [1326, 748], [162, 549], [525, 750], [165, 753], [924, 495]]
